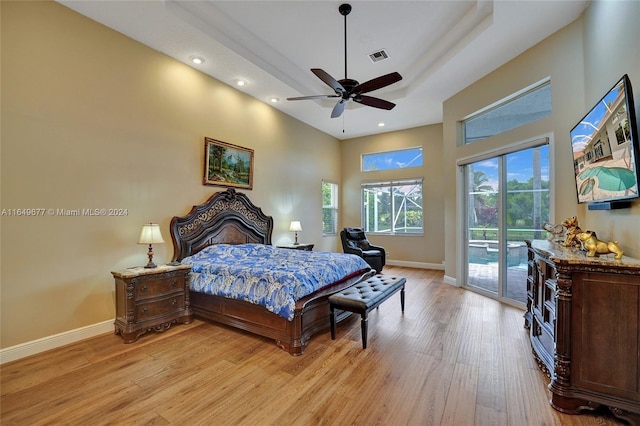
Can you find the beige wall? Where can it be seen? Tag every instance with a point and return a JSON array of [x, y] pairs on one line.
[[582, 68], [427, 249], [609, 54], [92, 119]]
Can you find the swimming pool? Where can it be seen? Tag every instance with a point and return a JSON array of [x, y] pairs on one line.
[[486, 251]]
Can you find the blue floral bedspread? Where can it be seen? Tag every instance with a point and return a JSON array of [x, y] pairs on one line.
[[269, 276]]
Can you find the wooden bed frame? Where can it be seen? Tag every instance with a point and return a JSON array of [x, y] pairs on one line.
[[230, 217]]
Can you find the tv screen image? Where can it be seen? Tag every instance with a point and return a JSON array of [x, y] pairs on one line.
[[605, 148]]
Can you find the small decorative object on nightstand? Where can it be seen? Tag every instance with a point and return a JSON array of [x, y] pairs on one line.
[[299, 246], [151, 299], [150, 234], [295, 227]]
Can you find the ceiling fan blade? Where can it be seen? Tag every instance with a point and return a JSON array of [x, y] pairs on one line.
[[377, 83], [329, 81], [374, 102], [338, 109], [302, 98]]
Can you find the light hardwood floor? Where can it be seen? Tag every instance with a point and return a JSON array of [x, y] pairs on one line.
[[453, 358]]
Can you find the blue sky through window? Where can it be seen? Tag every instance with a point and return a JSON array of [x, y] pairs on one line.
[[582, 133], [392, 159], [519, 167]]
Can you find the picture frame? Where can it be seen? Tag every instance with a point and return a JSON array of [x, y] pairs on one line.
[[227, 165]]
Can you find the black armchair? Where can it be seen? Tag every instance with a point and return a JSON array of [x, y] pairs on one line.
[[354, 241]]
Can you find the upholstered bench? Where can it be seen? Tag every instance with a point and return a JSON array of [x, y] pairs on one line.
[[363, 297]]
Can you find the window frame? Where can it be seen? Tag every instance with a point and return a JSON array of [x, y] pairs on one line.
[[514, 97], [389, 185], [390, 153], [334, 206]]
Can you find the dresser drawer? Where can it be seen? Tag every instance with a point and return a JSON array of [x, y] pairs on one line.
[[159, 308], [156, 286]]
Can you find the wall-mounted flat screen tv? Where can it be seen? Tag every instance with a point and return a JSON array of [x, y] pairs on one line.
[[605, 150]]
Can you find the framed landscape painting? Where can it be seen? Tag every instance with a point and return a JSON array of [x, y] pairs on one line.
[[227, 165]]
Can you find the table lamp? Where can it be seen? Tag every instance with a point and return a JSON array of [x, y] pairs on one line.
[[295, 227], [150, 235]]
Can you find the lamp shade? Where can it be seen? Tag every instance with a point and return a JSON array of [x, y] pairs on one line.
[[295, 226], [150, 234]]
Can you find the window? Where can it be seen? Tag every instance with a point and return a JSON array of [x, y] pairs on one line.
[[622, 131], [329, 208], [526, 106], [400, 159], [393, 207]]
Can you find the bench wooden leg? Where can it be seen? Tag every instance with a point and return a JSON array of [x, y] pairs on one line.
[[359, 301], [332, 317], [363, 325]]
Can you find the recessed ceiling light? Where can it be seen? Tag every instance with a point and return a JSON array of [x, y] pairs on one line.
[[273, 99], [240, 82], [380, 124], [197, 60]]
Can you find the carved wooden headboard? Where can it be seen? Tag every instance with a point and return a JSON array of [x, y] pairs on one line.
[[227, 217]]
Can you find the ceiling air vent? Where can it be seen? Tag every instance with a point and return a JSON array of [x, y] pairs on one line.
[[378, 55]]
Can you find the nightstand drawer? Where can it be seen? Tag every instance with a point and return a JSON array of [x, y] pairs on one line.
[[153, 287], [159, 308]]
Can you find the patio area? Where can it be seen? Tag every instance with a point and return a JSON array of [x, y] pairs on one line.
[[483, 268]]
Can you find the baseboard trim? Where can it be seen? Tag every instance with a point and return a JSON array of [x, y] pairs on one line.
[[23, 350], [34, 347], [450, 280], [419, 265]]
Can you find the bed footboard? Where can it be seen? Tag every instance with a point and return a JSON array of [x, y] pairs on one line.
[[311, 317]]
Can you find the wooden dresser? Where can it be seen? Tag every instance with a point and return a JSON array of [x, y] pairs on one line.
[[583, 314], [151, 299]]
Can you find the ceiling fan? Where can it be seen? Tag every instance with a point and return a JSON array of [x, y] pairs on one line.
[[347, 88]]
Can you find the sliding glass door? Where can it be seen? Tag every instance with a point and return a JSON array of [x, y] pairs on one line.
[[483, 186], [507, 202]]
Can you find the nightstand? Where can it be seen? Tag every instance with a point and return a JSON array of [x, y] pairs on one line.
[[301, 246], [151, 299]]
